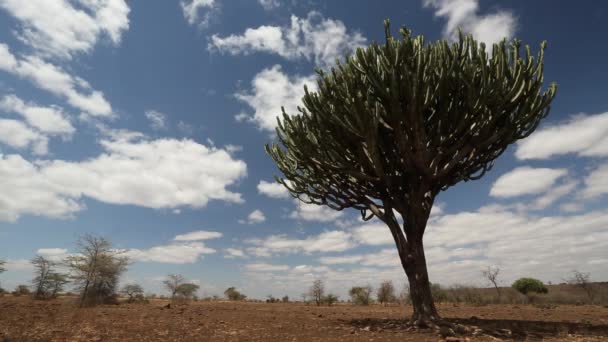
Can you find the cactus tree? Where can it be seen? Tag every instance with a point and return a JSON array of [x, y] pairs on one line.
[[396, 123]]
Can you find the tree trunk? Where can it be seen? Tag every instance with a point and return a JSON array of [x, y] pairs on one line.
[[425, 312]]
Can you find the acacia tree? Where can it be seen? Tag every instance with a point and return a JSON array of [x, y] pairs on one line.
[[96, 269], [360, 295], [172, 283], [133, 291], [386, 292], [395, 124], [317, 291], [43, 268]]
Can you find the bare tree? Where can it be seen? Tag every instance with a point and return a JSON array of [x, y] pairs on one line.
[[133, 291], [316, 291], [96, 269], [386, 292], [583, 281], [360, 295], [43, 267], [491, 274], [172, 283], [56, 282]]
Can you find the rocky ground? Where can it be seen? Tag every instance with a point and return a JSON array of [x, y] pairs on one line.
[[22, 319]]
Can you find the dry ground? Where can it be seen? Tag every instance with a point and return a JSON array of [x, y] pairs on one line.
[[22, 319]]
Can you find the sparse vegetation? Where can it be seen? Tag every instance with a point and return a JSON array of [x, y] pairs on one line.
[[186, 291], [529, 285], [360, 295], [47, 283], [491, 275], [386, 292], [317, 291], [96, 269], [329, 299], [583, 281], [172, 283], [134, 292], [21, 290], [233, 294]]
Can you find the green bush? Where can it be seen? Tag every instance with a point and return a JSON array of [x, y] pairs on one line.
[[529, 285]]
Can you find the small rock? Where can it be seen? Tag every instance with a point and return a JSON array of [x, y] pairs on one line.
[[368, 328]]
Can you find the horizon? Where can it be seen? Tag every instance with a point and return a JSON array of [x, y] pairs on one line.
[[145, 123]]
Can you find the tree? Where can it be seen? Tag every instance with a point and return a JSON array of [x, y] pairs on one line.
[[2, 263], [47, 283], [187, 291], [96, 269], [583, 281], [285, 299], [56, 282], [232, 294], [22, 290], [529, 285], [360, 295], [395, 124], [316, 291], [329, 299], [386, 292], [172, 283], [133, 291], [491, 274]]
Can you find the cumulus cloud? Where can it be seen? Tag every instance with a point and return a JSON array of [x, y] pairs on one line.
[[271, 90], [18, 135], [583, 135], [313, 38], [260, 267], [596, 183], [272, 189], [488, 28], [526, 180], [198, 235], [256, 216], [53, 254], [330, 241], [156, 118], [163, 173], [269, 4], [232, 253], [76, 91], [48, 120], [176, 253], [64, 28], [198, 12], [313, 212]]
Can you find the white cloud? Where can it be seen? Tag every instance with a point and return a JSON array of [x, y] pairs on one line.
[[194, 8], [272, 189], [271, 89], [384, 258], [373, 233], [163, 173], [157, 119], [269, 4], [488, 28], [313, 212], [18, 265], [526, 180], [596, 183], [182, 253], [330, 241], [55, 80], [313, 38], [53, 254], [61, 29], [231, 253], [260, 267], [256, 216], [49, 120], [198, 235], [18, 135], [583, 135], [554, 194]]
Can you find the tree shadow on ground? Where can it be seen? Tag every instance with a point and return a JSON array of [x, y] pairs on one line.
[[503, 328]]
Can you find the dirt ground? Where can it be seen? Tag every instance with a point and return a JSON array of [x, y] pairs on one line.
[[22, 319]]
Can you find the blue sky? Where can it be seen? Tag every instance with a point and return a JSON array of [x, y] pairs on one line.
[[144, 122]]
